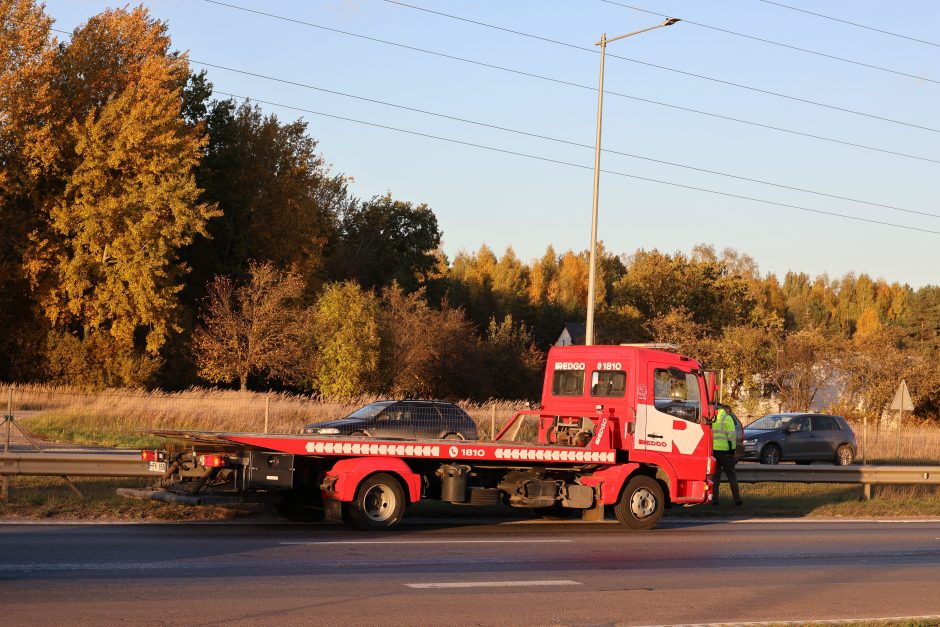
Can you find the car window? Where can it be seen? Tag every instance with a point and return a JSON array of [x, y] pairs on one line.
[[399, 412], [452, 413], [425, 414], [825, 423], [799, 424], [371, 410], [771, 421], [609, 383]]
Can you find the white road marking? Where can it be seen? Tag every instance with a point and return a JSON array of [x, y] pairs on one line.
[[545, 541], [493, 584]]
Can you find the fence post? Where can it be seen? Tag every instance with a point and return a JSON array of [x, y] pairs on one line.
[[267, 411], [8, 423], [493, 422], [865, 442]]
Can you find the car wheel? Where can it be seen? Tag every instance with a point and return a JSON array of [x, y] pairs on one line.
[[641, 504], [453, 436], [770, 454], [379, 503], [359, 434], [844, 455]]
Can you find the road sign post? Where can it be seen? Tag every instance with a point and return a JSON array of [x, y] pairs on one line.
[[902, 401]]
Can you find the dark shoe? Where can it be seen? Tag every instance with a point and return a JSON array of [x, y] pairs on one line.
[[738, 503]]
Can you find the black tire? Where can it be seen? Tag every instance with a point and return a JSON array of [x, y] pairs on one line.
[[359, 434], [293, 507], [770, 454], [844, 455], [454, 436], [555, 512], [641, 504], [379, 504]]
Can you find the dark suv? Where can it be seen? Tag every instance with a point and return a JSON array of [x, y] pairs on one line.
[[404, 420], [802, 438]]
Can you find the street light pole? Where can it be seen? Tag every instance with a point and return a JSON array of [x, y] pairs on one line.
[[592, 269]]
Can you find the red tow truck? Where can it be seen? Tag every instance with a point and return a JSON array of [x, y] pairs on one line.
[[621, 426]]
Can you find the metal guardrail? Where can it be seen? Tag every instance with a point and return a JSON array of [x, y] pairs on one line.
[[92, 464], [865, 475]]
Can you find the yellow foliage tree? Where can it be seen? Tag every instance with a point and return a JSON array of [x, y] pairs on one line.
[[106, 261]]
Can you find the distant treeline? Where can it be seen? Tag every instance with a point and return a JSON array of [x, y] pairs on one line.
[[156, 236]]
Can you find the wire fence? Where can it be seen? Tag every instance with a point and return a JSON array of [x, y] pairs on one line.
[[122, 418]]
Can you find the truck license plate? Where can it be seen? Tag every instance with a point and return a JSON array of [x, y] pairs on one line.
[[156, 466]]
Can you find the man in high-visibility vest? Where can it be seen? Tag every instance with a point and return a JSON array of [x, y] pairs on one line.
[[724, 441]]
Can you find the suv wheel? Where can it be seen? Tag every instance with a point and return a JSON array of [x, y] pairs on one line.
[[844, 455], [770, 454]]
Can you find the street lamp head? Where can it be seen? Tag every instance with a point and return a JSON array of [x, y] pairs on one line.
[[670, 21]]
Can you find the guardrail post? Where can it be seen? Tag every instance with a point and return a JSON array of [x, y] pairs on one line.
[[867, 491]]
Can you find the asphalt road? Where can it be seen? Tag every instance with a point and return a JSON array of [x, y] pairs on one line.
[[510, 574]]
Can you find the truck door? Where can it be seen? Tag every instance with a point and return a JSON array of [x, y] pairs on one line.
[[669, 409]]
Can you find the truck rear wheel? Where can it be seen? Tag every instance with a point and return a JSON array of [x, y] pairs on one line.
[[379, 504], [641, 504]]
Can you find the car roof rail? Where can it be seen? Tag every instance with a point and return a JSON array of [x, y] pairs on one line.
[[662, 346]]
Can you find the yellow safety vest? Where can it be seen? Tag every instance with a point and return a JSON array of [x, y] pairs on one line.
[[724, 437]]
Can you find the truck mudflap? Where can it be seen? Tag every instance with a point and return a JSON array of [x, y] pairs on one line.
[[182, 498]]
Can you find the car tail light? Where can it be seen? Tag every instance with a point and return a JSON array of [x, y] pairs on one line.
[[211, 461], [149, 456]]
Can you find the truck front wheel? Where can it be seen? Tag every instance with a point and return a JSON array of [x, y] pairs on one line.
[[641, 504], [379, 504]]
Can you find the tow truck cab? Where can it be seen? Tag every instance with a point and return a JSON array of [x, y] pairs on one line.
[[652, 404]]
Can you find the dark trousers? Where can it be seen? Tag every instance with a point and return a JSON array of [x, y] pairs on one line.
[[724, 460]]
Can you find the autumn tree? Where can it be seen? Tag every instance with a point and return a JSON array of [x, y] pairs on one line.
[[344, 334], [117, 199], [256, 328], [383, 240], [513, 362], [277, 196], [804, 362], [428, 352]]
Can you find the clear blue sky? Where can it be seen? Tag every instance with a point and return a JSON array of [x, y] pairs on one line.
[[481, 196]]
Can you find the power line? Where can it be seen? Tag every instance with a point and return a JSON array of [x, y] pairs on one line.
[[668, 69], [836, 19], [777, 43], [557, 140], [585, 167], [578, 85]]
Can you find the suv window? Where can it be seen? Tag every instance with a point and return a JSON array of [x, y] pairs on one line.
[[568, 383], [611, 383], [825, 423]]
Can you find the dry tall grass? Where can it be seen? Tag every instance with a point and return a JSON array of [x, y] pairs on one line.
[[132, 411], [96, 417]]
